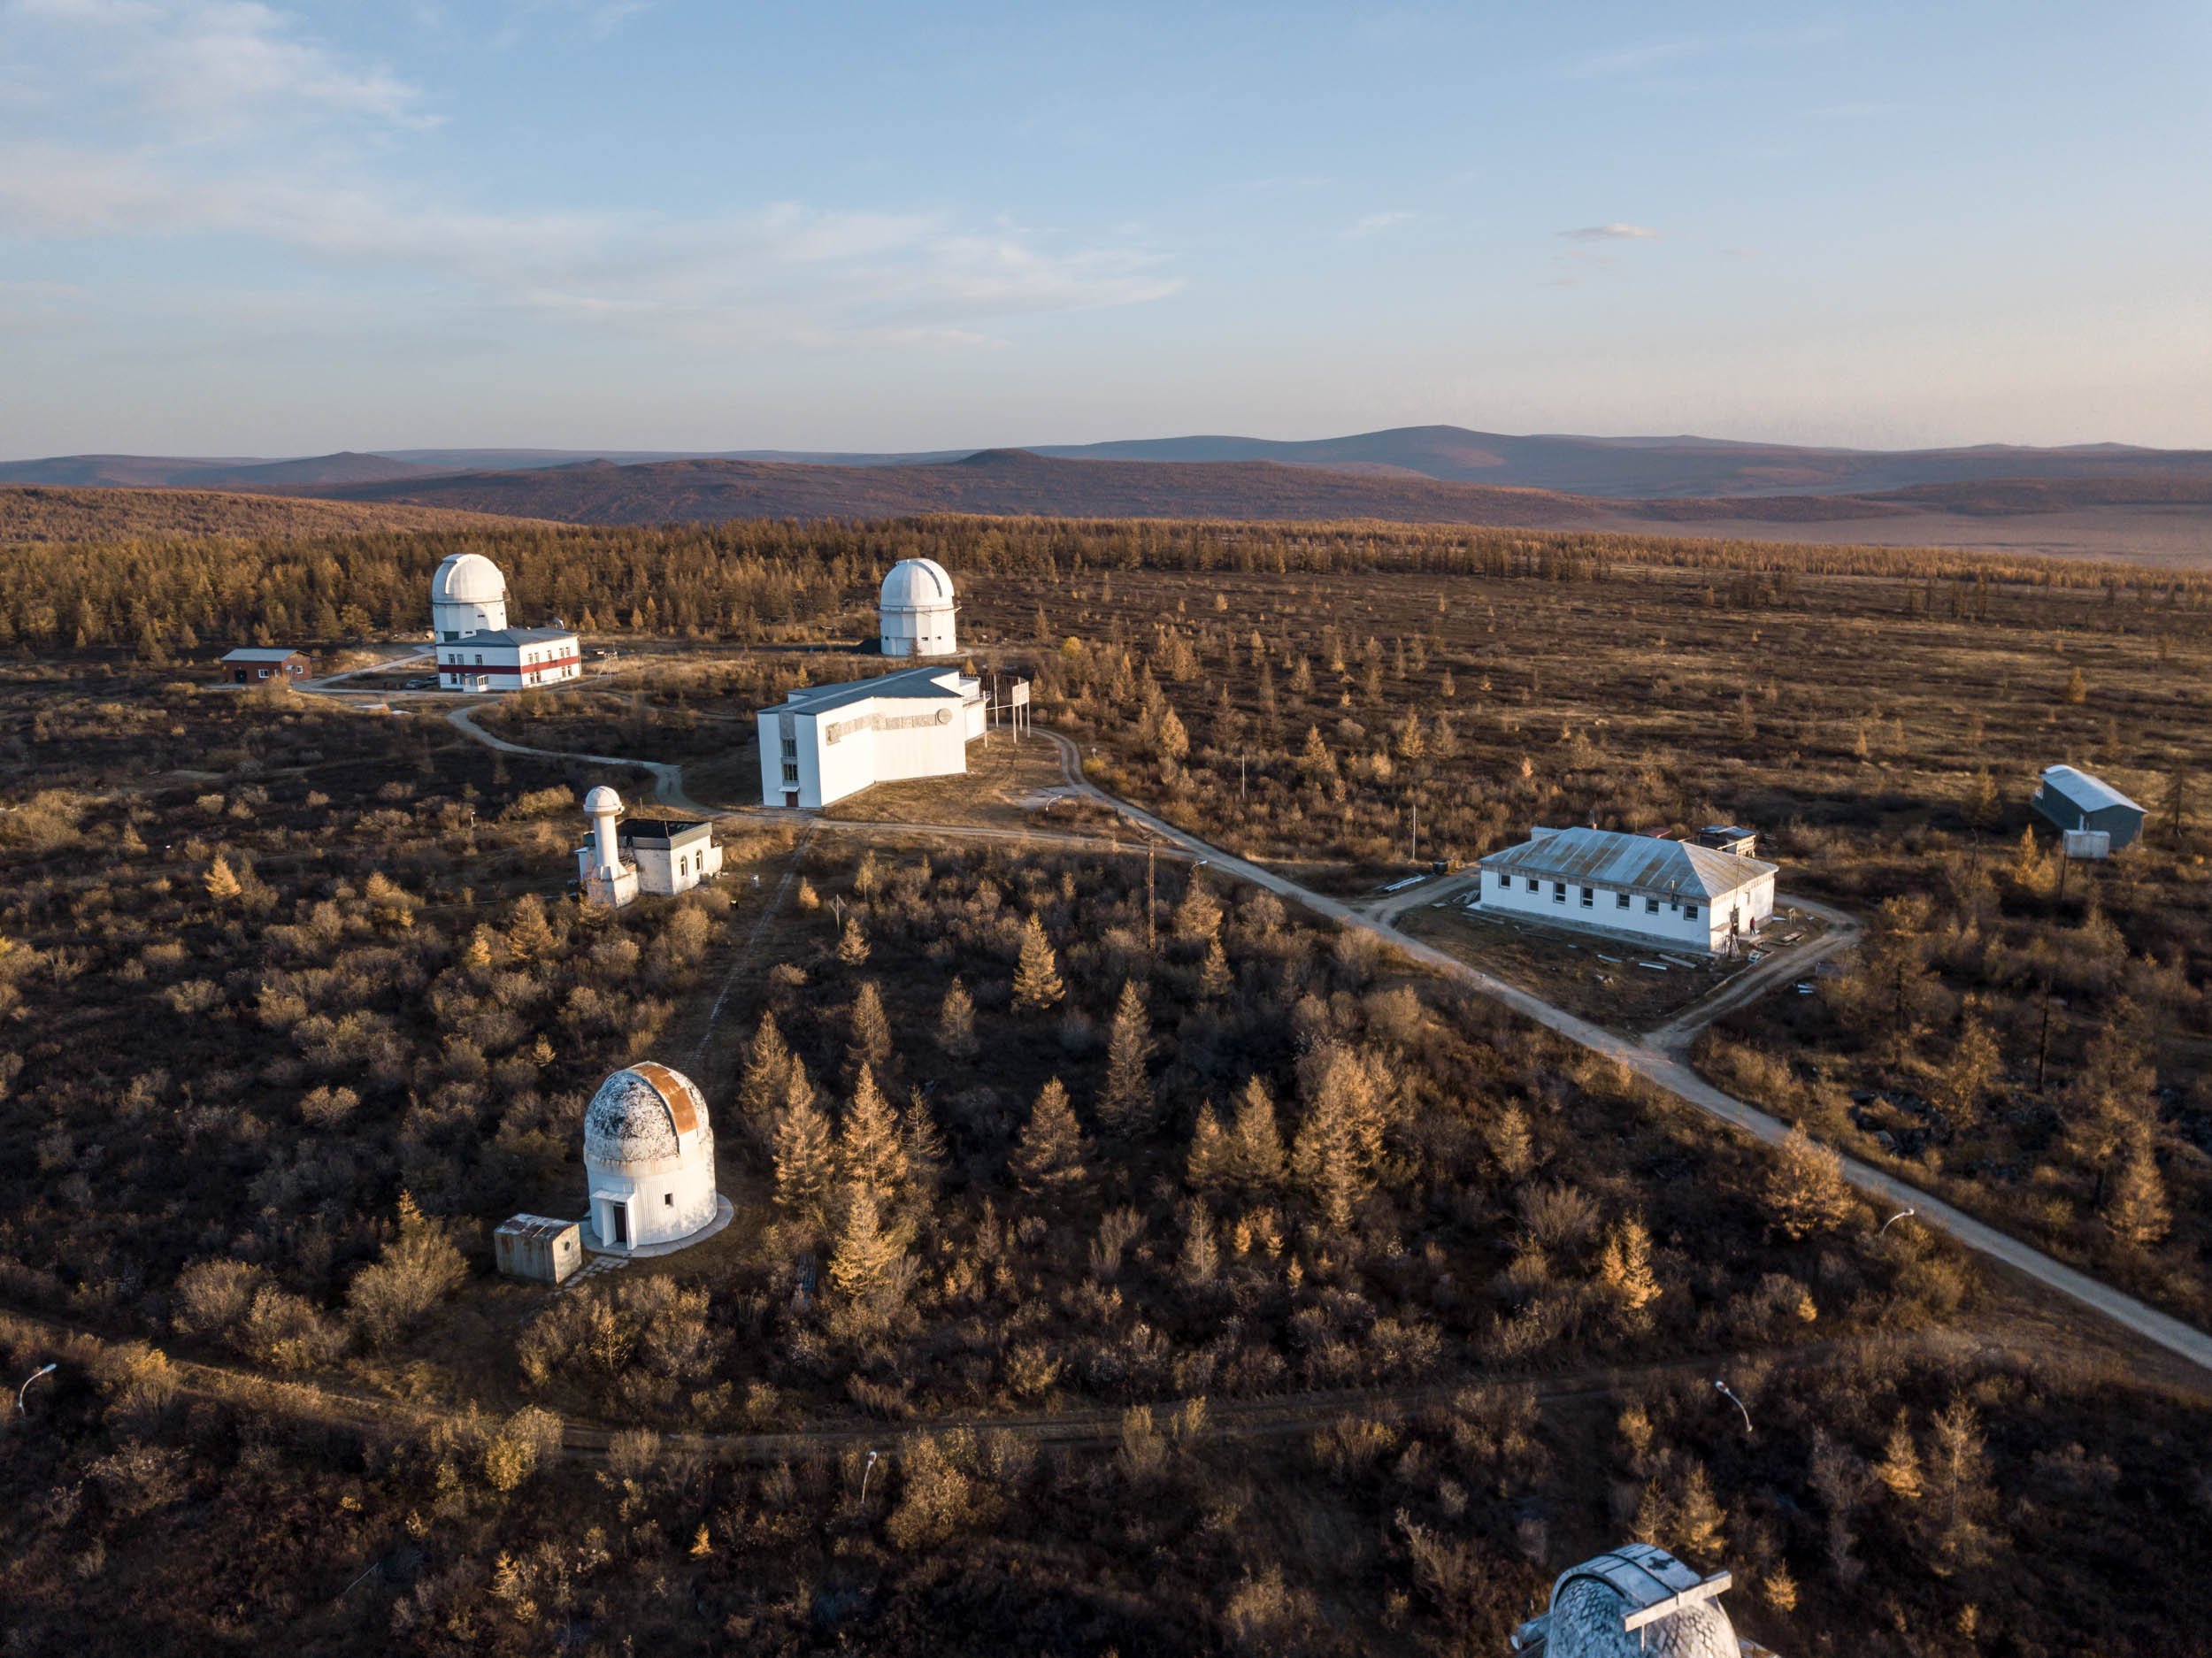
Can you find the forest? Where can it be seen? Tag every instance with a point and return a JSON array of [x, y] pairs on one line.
[[1067, 1189]]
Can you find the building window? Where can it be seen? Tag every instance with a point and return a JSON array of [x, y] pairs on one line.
[[1531, 883], [1559, 892], [1651, 906], [790, 748], [790, 772], [1620, 901], [1689, 912], [1589, 898], [669, 1199]]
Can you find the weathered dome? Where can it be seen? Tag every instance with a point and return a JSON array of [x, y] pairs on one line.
[[602, 800], [916, 584], [468, 579], [644, 1112], [1590, 1604]]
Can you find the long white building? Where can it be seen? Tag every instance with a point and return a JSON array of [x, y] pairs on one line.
[[826, 741], [1636, 886]]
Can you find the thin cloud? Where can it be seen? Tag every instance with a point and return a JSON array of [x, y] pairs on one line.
[[1375, 224], [1629, 60], [1610, 232], [291, 165]]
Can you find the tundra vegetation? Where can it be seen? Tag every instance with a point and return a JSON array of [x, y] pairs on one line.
[[294, 1010]]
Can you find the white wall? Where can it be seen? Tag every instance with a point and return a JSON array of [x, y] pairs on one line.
[[866, 750], [656, 868], [1707, 932], [667, 1198]]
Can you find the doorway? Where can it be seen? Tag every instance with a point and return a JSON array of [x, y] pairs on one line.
[[791, 799]]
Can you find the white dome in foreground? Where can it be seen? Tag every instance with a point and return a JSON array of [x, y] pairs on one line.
[[467, 595], [648, 1159], [917, 610], [1635, 1601]]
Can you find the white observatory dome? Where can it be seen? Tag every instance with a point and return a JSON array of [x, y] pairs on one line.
[[1678, 1613], [917, 610], [602, 801], [467, 595], [648, 1158]]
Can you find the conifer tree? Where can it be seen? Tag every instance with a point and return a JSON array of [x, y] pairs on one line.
[[955, 1022], [1973, 1065], [221, 882], [1214, 977], [1700, 1521], [1805, 1189], [765, 1082], [869, 1043], [1511, 1144], [411, 1274], [871, 1151], [1332, 1155], [1900, 1467], [2137, 1213], [479, 952], [852, 944], [1255, 1145], [1125, 1105], [1048, 1155], [1198, 915], [530, 936], [868, 1251], [805, 1160], [921, 1142], [1037, 975], [1625, 1268], [1206, 1166]]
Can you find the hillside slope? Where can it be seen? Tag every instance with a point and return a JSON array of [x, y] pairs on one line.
[[43, 516]]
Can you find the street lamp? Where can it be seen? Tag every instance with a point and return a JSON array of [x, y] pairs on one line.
[[1891, 1221], [865, 1474], [1738, 1403], [44, 1370]]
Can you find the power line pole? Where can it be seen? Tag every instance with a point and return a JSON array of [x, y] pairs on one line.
[[1151, 912]]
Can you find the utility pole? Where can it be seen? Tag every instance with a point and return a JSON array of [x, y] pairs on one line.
[[1414, 844], [2043, 1042], [1240, 776]]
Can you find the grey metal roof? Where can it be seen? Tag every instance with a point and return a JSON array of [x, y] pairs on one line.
[[2090, 793], [919, 683], [263, 653], [1642, 864], [513, 636]]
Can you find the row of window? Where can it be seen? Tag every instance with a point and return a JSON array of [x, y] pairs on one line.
[[1621, 901]]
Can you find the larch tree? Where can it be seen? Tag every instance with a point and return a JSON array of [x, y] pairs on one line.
[[1037, 974], [1127, 1104], [805, 1159], [955, 1022], [221, 881], [1624, 1269], [1049, 1153], [1512, 1146], [869, 1042], [1806, 1192], [411, 1274], [1197, 915], [1206, 1165], [1214, 977], [852, 944], [763, 1084], [870, 1251], [1254, 1149], [871, 1151], [1899, 1470], [2138, 1212], [1967, 1075], [530, 935]]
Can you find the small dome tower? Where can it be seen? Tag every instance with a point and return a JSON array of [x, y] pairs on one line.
[[467, 595], [1635, 1601], [648, 1160], [917, 610]]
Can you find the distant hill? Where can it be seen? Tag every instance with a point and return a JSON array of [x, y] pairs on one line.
[[45, 516], [1630, 468], [141, 471], [995, 482]]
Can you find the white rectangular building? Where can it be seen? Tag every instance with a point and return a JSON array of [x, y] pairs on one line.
[[1656, 892], [509, 659], [826, 741], [668, 856]]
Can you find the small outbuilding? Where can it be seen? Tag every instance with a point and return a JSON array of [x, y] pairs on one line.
[[538, 1248], [2074, 800], [265, 665], [630, 853], [1634, 887]]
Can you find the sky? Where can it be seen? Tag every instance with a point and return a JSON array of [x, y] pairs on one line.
[[243, 227]]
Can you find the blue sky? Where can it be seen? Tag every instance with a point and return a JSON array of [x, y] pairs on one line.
[[236, 227]]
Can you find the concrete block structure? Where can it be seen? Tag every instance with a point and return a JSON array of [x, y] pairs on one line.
[[629, 854], [538, 1248]]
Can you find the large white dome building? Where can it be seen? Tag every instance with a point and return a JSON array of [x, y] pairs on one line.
[[917, 611], [467, 595], [648, 1160]]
